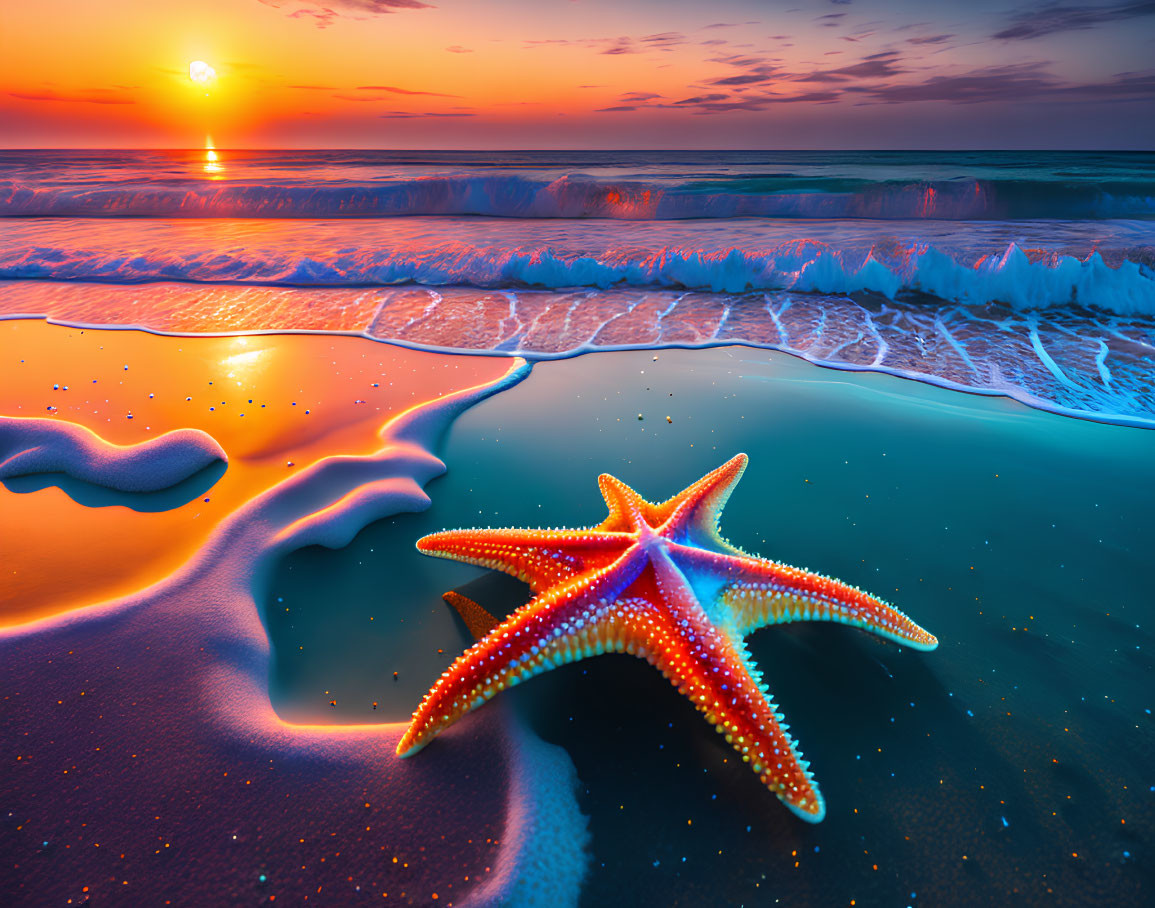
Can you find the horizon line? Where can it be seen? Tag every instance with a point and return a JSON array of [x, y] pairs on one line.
[[459, 150]]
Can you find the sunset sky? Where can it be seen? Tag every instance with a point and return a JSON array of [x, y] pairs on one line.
[[579, 74]]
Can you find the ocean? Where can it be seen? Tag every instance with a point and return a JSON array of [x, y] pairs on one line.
[[941, 366], [1025, 274]]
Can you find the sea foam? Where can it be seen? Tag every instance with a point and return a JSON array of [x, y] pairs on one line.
[[1008, 275], [32, 446]]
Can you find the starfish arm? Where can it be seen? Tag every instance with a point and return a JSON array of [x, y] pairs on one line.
[[692, 515], [694, 510], [541, 558], [713, 669], [626, 507], [568, 623], [754, 593]]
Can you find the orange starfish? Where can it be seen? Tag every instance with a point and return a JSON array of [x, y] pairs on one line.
[[659, 582]]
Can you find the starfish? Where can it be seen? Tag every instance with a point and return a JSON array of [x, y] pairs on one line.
[[657, 581]]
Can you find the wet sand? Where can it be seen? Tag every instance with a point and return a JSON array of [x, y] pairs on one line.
[[275, 403]]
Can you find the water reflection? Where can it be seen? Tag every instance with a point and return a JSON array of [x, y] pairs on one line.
[[212, 163]]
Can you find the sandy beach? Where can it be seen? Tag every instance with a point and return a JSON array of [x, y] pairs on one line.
[[289, 622]]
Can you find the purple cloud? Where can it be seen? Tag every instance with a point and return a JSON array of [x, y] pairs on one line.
[[414, 115], [929, 39], [379, 7], [325, 16], [760, 102], [664, 39], [700, 99], [739, 60], [622, 46], [993, 83], [874, 66], [750, 79], [1015, 82], [393, 89], [1123, 86], [1036, 21]]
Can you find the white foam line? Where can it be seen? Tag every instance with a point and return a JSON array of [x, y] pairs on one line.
[[1045, 357], [568, 321], [883, 346], [1101, 362], [670, 308], [1021, 395], [783, 336], [726, 312]]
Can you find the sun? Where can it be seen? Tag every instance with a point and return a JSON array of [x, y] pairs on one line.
[[201, 73]]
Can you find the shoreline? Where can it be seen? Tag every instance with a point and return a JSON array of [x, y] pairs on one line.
[[1016, 395]]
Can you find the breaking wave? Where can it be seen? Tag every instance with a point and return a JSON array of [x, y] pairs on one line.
[[586, 196], [1013, 275]]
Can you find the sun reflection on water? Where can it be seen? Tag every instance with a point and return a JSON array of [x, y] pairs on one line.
[[212, 163]]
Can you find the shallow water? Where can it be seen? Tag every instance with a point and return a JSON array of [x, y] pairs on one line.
[[1020, 538]]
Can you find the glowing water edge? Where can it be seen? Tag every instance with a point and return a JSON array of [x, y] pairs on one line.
[[241, 709]]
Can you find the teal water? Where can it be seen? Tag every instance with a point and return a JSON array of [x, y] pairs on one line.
[[1013, 763]]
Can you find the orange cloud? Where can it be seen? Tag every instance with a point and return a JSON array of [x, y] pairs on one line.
[[92, 96]]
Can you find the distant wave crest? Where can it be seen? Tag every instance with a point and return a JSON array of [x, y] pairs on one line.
[[583, 196]]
